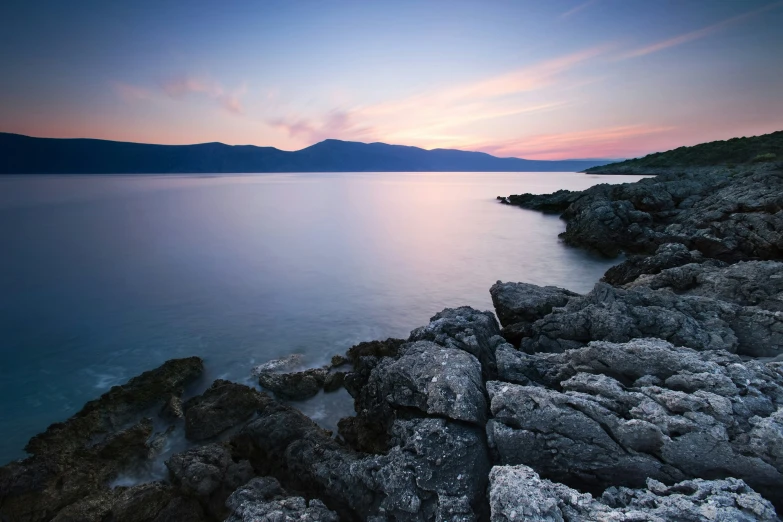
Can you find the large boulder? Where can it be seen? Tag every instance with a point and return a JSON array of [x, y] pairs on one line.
[[465, 329], [517, 493], [614, 414], [526, 303], [668, 255], [432, 378], [222, 406], [294, 386]]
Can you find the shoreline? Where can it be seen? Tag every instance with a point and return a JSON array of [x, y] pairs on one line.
[[620, 401]]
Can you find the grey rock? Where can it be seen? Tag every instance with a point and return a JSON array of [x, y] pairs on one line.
[[224, 405], [613, 414], [201, 471], [434, 466], [517, 493], [668, 255], [748, 283], [294, 386], [435, 379], [263, 500], [279, 365], [619, 315], [526, 303], [730, 216], [466, 329]]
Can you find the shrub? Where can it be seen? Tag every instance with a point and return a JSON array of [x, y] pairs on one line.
[[764, 157]]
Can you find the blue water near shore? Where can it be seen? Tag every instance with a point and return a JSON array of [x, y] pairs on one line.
[[103, 277]]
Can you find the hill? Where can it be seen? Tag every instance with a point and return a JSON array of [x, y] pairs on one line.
[[27, 155], [729, 153]]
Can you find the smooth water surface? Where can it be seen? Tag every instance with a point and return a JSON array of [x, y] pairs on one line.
[[102, 277]]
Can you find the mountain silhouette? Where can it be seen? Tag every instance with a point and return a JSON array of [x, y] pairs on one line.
[[28, 155]]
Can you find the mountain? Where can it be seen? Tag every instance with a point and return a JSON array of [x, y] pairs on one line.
[[729, 153], [27, 155]]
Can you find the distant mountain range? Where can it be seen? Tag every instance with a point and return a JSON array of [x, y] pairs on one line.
[[27, 155]]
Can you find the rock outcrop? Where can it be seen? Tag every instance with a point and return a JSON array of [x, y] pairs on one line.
[[616, 414], [726, 215], [517, 493]]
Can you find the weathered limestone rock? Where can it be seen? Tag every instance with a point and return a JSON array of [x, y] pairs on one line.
[[224, 405], [517, 493]]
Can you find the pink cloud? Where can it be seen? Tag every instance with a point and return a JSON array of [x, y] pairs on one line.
[[613, 142], [181, 86], [336, 124]]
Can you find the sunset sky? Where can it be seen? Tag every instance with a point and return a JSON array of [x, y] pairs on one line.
[[548, 79]]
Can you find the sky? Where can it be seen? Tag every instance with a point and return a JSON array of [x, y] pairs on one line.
[[550, 79]]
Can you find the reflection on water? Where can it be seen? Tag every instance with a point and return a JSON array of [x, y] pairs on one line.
[[102, 277]]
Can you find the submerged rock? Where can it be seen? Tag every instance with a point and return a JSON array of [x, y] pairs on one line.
[[74, 461], [518, 493]]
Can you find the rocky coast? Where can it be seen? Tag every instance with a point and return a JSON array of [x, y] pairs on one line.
[[656, 396]]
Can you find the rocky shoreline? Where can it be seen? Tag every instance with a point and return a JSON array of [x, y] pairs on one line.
[[656, 396]]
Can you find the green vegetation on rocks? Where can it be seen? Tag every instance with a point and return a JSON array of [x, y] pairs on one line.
[[729, 153]]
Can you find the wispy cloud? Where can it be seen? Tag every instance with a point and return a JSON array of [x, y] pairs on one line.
[[594, 143], [578, 8], [336, 124], [438, 117], [700, 33], [181, 86]]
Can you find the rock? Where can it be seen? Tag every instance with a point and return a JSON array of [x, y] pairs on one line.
[[338, 360], [172, 410], [262, 499], [209, 474], [294, 386], [435, 379], [152, 502], [518, 493], [618, 315], [281, 364], [76, 459], [334, 381], [434, 466], [387, 348], [224, 405], [668, 255], [730, 216], [614, 414], [748, 283], [464, 329], [526, 303]]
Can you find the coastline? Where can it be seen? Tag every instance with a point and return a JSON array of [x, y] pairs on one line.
[[644, 392]]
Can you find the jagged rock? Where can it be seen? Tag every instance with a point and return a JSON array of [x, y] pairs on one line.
[[614, 414], [526, 303], [334, 381], [466, 329], [172, 410], [387, 348], [748, 283], [518, 493], [435, 466], [281, 364], [152, 502], [224, 405], [294, 386], [263, 500], [75, 460], [209, 474], [726, 215], [435, 379], [668, 255], [618, 315]]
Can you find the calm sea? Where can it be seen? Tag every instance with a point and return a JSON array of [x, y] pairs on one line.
[[102, 277]]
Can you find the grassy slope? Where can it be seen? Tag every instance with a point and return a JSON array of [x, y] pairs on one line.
[[735, 151]]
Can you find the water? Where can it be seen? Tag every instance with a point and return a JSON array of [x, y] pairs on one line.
[[102, 277]]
